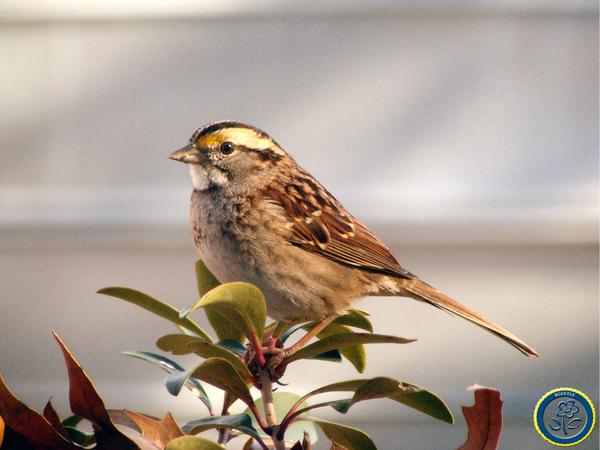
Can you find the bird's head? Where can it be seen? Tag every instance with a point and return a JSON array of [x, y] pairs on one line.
[[230, 155]]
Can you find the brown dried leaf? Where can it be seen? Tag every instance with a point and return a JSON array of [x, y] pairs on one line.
[[29, 423], [159, 432], [304, 445], [119, 417], [86, 402], [484, 419]]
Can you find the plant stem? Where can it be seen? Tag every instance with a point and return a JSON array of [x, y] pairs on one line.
[[292, 415], [224, 432], [257, 346], [269, 407]]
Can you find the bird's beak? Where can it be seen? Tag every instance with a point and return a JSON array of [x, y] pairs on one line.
[[187, 154]]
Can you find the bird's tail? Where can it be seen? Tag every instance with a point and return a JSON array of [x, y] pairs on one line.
[[422, 291]]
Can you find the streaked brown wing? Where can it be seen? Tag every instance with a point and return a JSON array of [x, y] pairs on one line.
[[318, 223]]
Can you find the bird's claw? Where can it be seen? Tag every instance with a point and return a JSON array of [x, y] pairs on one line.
[[275, 357]]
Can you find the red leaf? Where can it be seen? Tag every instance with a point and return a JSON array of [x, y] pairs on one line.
[[484, 419], [86, 402], [52, 417], [29, 423]]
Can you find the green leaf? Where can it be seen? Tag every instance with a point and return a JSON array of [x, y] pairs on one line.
[[286, 330], [177, 380], [178, 344], [192, 443], [331, 356], [349, 437], [155, 306], [356, 354], [285, 335], [185, 331], [342, 386], [220, 373], [228, 400], [79, 437], [341, 406], [233, 346], [204, 278], [343, 340], [279, 327], [283, 401], [72, 421], [207, 281], [170, 366], [408, 394], [241, 304], [240, 422], [222, 326], [181, 344], [337, 446], [355, 318]]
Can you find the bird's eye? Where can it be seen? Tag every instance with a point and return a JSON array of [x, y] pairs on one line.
[[227, 148]]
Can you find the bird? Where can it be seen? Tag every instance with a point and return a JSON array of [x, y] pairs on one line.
[[257, 216]]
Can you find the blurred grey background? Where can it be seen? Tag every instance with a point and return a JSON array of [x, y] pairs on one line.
[[464, 133]]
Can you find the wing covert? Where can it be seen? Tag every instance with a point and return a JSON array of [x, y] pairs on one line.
[[318, 223]]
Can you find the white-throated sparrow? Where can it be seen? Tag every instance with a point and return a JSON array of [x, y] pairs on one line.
[[257, 216]]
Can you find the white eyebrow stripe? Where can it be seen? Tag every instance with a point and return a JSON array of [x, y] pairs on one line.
[[250, 138]]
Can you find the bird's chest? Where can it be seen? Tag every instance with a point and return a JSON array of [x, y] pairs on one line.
[[224, 233]]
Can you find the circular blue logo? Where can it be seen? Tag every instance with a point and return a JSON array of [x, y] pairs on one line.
[[564, 417]]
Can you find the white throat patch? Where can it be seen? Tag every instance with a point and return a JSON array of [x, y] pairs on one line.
[[200, 179]]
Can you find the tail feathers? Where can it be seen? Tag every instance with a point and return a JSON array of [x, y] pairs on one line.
[[422, 291]]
